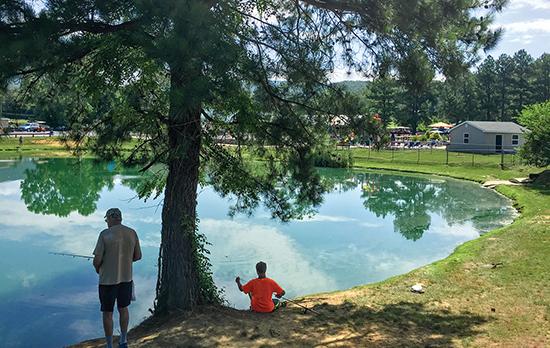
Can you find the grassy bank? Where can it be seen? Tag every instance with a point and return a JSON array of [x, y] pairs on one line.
[[492, 291], [431, 161], [474, 167], [42, 146], [33, 146]]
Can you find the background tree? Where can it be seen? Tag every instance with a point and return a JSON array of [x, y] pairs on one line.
[[541, 79], [384, 96], [179, 74], [53, 101], [536, 150], [408, 199], [60, 186], [457, 99], [522, 78], [416, 78], [504, 71], [487, 83]]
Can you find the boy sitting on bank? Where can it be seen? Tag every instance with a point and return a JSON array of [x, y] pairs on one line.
[[260, 290]]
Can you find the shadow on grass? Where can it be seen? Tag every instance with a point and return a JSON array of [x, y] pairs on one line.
[[542, 189], [404, 324]]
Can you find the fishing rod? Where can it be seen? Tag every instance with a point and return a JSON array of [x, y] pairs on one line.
[[89, 258], [299, 305], [72, 255]]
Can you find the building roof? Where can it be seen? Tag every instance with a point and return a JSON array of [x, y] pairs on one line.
[[495, 127]]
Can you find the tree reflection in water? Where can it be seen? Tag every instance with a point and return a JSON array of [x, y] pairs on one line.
[[62, 186], [412, 200]]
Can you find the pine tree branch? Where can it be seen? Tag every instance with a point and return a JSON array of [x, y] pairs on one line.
[[339, 5], [65, 61]]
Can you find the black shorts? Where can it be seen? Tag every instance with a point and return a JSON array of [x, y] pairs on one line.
[[121, 292]]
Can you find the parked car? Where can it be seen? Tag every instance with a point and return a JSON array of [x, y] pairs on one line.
[[30, 127]]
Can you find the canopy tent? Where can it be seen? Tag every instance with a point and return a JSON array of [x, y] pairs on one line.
[[440, 125]]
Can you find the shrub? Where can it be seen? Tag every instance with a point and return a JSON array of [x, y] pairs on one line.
[[536, 150]]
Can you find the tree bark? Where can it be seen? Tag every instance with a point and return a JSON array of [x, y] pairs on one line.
[[178, 279]]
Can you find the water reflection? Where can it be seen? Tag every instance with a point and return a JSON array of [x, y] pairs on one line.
[[412, 200], [62, 186], [370, 226]]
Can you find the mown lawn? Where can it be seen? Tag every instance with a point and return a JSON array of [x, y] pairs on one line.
[[474, 167], [42, 146], [32, 146]]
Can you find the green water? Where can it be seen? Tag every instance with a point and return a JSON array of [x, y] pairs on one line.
[[371, 226]]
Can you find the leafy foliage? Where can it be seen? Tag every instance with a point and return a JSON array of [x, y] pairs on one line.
[[536, 150], [209, 293]]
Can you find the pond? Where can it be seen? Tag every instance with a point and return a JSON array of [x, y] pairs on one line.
[[370, 226]]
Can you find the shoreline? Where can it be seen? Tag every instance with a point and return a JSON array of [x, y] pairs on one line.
[[467, 302], [470, 255]]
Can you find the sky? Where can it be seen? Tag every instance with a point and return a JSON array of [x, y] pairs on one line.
[[526, 25]]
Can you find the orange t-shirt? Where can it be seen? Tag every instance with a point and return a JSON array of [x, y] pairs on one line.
[[262, 289]]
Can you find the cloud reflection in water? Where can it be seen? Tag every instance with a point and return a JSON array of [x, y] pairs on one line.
[[370, 227]]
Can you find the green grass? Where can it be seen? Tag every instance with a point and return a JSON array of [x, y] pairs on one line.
[[484, 167], [42, 146], [33, 146], [518, 291]]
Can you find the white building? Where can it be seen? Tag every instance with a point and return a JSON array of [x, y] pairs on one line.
[[486, 137]]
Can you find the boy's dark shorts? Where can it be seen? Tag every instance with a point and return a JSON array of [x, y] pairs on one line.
[[121, 292]]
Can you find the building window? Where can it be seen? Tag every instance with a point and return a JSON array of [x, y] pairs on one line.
[[466, 138], [515, 139]]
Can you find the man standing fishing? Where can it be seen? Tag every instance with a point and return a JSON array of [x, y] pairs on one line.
[[261, 289], [116, 249]]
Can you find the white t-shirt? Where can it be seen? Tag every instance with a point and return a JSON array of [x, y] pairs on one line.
[[116, 246]]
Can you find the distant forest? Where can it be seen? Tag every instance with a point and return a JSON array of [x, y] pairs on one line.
[[496, 90]]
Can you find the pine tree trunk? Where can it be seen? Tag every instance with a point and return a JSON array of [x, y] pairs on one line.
[[178, 281]]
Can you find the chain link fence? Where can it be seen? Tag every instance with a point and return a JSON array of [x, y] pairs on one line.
[[439, 156]]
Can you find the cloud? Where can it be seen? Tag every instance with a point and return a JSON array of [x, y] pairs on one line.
[[83, 327], [371, 225], [75, 233], [28, 280], [524, 39], [237, 246], [145, 296], [9, 188], [529, 4], [539, 25], [461, 232], [341, 74], [86, 298]]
